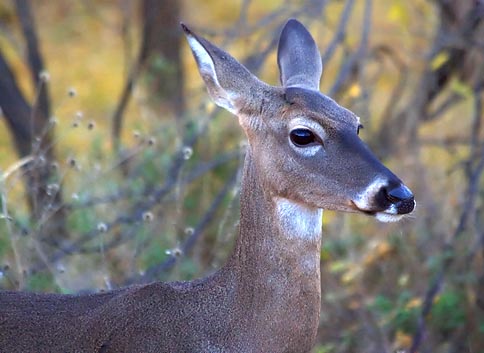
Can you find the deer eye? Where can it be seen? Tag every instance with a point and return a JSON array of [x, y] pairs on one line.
[[302, 137]]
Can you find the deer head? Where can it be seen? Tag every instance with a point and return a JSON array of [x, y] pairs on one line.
[[305, 146]]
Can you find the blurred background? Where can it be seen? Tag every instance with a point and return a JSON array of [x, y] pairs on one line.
[[115, 168]]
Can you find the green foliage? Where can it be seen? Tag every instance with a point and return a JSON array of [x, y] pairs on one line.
[[448, 311], [325, 348], [154, 254], [4, 241], [188, 269], [42, 282], [382, 305], [405, 319], [461, 88], [400, 315]]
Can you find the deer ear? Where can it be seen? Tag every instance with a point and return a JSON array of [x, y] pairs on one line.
[[298, 57], [228, 82]]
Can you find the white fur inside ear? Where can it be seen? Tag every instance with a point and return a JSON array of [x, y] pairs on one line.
[[204, 60], [299, 221], [207, 70]]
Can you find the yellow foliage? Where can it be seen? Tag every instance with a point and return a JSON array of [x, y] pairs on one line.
[[439, 60], [399, 13], [461, 88], [402, 340], [350, 275], [381, 251], [414, 303], [403, 280], [355, 90]]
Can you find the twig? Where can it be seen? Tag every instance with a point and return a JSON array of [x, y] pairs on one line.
[[34, 58], [138, 217], [359, 55], [397, 92], [340, 33], [474, 175], [154, 271]]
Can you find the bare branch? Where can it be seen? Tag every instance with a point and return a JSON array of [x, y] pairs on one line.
[[154, 271], [340, 33], [353, 62]]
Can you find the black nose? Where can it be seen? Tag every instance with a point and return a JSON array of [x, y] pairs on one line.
[[402, 198]]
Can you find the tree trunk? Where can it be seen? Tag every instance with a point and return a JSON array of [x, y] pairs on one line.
[[32, 134], [160, 59], [161, 50]]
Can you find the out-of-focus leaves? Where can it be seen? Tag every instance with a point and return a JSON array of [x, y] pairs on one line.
[[448, 311], [439, 60], [398, 13], [461, 88]]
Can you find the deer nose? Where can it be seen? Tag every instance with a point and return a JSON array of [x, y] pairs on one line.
[[402, 198]]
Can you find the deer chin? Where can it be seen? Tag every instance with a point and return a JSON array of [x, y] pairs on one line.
[[385, 216]]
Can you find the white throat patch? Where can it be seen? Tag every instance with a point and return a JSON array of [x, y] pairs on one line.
[[298, 221]]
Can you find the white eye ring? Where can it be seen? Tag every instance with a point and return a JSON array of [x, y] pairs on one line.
[[305, 149], [310, 149]]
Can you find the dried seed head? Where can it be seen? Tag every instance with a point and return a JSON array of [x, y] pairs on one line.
[[44, 76], [72, 92], [175, 252], [102, 227], [151, 141], [187, 152], [60, 268], [53, 120], [52, 189], [71, 161], [41, 160], [147, 216]]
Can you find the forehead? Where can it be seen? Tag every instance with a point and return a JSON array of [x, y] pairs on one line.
[[320, 105]]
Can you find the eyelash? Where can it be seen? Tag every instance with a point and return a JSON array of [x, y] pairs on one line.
[[360, 127]]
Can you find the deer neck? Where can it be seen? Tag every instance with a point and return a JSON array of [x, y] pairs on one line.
[[276, 262]]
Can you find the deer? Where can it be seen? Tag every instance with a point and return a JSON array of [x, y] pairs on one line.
[[303, 155]]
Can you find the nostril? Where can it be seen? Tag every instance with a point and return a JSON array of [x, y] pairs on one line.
[[402, 198]]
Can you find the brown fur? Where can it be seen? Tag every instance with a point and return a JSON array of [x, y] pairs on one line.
[[267, 296]]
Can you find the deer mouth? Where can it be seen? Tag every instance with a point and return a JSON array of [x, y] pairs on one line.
[[387, 217], [392, 213]]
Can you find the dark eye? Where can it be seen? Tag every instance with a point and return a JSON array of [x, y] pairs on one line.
[[360, 127], [302, 137]]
